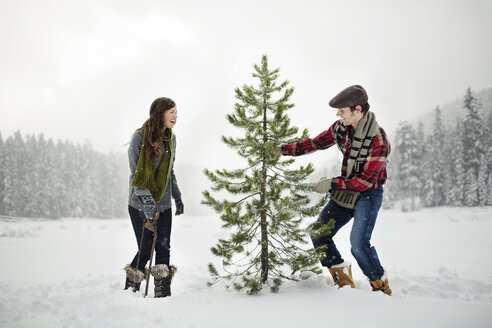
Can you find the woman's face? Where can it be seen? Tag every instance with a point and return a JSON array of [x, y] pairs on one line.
[[170, 117]]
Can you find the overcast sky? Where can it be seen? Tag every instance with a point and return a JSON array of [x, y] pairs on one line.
[[89, 70]]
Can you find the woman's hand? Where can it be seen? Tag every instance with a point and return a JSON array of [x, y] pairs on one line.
[[179, 206], [149, 206]]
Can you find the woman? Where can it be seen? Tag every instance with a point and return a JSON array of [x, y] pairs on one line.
[[152, 183]]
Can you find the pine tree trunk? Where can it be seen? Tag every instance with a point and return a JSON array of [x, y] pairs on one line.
[[264, 240], [263, 217]]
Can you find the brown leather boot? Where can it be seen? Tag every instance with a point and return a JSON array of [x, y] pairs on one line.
[[342, 274], [381, 285]]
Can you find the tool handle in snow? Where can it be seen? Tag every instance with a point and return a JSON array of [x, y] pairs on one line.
[[154, 222]]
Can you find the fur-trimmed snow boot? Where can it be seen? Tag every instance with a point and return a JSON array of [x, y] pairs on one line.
[[342, 274], [381, 285], [133, 278], [163, 275]]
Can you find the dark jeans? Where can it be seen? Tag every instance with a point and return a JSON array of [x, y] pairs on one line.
[[163, 243], [364, 213]]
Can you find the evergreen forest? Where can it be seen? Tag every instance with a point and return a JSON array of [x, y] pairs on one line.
[[41, 178], [451, 164], [445, 160]]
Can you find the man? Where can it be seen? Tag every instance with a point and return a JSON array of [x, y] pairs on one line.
[[358, 192]]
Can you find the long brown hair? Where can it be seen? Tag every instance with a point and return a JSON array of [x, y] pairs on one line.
[[154, 127]]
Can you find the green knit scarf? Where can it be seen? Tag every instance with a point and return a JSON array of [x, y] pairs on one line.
[[145, 176]]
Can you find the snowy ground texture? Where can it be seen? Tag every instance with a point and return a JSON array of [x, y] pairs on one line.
[[67, 273]]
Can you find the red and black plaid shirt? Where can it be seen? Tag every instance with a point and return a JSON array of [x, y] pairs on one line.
[[371, 174]]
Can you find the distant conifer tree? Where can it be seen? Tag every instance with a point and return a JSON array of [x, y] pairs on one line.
[[2, 174], [483, 176], [456, 195], [434, 163], [473, 148], [408, 171]]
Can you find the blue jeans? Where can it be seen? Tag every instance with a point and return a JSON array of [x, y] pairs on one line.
[[163, 242], [364, 213]]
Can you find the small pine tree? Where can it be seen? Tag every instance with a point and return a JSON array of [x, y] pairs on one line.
[[271, 199]]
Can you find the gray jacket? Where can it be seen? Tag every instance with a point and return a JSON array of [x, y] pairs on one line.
[[172, 185]]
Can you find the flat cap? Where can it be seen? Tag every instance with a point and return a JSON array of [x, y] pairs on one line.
[[351, 96]]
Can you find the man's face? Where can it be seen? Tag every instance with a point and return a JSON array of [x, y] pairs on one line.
[[348, 117]]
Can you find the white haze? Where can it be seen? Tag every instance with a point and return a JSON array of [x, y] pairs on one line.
[[88, 71]]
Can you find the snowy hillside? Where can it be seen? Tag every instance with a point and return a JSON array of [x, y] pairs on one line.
[[453, 111], [67, 273]]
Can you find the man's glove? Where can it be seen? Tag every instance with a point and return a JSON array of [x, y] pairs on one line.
[[277, 149], [322, 186], [179, 206], [149, 206]]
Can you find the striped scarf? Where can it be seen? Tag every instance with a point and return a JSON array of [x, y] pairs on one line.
[[366, 130]]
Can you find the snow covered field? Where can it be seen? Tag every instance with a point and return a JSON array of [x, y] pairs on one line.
[[67, 273]]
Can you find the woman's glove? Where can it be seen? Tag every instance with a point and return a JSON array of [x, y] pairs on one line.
[[149, 206], [179, 206], [148, 203]]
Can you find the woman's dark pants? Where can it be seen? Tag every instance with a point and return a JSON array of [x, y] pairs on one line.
[[163, 243]]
